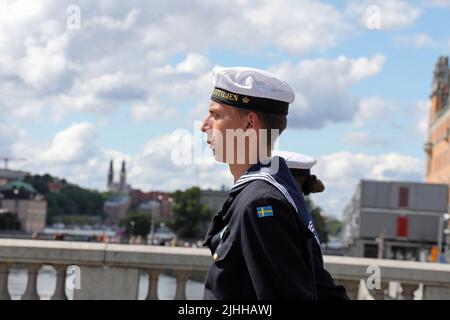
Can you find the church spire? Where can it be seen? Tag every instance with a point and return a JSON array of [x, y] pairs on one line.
[[123, 177], [110, 176]]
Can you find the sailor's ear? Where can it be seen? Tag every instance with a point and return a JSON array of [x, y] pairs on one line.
[[253, 121]]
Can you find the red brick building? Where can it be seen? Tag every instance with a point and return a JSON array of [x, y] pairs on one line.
[[138, 197]]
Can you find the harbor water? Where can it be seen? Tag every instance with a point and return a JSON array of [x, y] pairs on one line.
[[46, 285]]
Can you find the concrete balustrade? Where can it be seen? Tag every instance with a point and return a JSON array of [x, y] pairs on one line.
[[153, 278], [60, 290], [112, 271], [31, 288], [4, 272]]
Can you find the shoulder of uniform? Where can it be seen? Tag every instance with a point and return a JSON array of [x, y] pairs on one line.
[[260, 191], [260, 188]]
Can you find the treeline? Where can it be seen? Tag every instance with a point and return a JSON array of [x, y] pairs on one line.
[[70, 200], [326, 226]]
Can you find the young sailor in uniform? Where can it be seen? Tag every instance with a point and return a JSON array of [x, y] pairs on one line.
[[263, 242]]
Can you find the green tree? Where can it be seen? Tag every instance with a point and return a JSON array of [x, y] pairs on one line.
[[73, 200], [191, 218], [319, 221], [334, 227], [40, 183], [136, 223]]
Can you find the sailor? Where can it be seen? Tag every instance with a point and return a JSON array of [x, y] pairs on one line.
[[263, 242], [300, 167]]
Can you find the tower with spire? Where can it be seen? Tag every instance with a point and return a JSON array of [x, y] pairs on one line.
[[110, 183], [116, 206], [121, 186], [123, 178], [437, 147]]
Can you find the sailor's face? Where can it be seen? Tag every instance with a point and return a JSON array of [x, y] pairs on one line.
[[221, 118]]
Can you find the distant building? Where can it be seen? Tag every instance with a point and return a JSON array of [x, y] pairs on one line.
[[140, 198], [55, 186], [22, 199], [394, 220], [214, 199], [120, 187], [437, 147], [7, 176], [116, 207]]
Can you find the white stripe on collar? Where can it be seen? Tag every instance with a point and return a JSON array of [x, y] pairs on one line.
[[266, 177]]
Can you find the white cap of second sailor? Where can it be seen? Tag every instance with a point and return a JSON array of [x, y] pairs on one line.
[[295, 160]]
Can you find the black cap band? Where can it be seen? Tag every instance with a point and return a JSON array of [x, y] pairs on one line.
[[299, 172], [264, 105]]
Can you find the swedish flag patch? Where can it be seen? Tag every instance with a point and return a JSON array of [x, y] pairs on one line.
[[263, 212]]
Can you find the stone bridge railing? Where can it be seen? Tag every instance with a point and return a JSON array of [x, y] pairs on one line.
[[112, 271]]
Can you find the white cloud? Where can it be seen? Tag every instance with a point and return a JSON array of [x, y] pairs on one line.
[[297, 26], [194, 63], [418, 40], [19, 11], [364, 139], [8, 135], [75, 144], [374, 108], [199, 112], [44, 65], [393, 13], [342, 171], [436, 3], [60, 71], [152, 111], [99, 95], [422, 109], [322, 88]]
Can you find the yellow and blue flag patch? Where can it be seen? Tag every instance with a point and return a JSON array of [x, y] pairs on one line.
[[263, 212]]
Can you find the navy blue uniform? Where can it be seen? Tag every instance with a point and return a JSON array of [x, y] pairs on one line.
[[262, 249]]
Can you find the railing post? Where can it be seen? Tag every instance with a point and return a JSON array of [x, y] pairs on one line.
[[153, 278], [31, 290], [4, 273], [182, 276], [380, 294], [408, 290], [351, 287], [60, 290]]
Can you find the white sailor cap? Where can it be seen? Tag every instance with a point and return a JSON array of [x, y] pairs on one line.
[[251, 89], [296, 160]]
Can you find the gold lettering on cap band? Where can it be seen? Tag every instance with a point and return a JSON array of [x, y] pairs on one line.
[[226, 95], [265, 105]]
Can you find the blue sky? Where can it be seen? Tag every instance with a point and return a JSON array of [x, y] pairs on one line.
[[133, 73]]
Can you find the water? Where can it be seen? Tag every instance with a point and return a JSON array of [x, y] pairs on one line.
[[46, 285]]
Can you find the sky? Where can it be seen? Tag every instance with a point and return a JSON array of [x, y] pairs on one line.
[[83, 82]]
